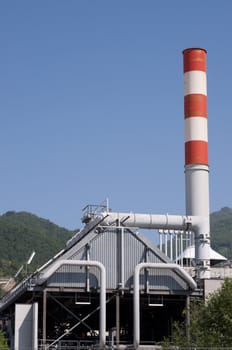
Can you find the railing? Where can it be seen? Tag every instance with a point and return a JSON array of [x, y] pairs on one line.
[[91, 210], [24, 284], [82, 345], [67, 344]]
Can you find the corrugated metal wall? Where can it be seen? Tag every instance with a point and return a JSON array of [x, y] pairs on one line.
[[119, 251], [75, 276]]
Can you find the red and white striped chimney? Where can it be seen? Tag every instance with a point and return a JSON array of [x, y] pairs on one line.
[[196, 151]]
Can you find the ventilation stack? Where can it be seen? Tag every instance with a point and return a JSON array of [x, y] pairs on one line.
[[196, 152]]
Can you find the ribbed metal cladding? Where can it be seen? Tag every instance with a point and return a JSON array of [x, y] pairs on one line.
[[74, 277], [120, 252], [162, 279], [103, 249], [134, 252]]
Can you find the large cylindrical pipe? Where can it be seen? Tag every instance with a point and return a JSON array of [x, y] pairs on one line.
[[166, 266], [148, 221], [196, 151]]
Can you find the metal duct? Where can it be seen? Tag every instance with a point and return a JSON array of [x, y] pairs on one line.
[[147, 221]]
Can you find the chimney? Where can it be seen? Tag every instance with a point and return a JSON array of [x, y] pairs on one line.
[[196, 152]]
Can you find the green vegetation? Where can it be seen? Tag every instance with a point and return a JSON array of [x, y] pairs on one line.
[[210, 322], [221, 232], [3, 343], [22, 233]]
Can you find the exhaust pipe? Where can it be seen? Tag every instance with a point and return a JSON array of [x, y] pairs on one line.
[[196, 152]]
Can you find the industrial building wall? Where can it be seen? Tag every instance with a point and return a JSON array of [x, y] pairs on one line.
[[75, 277], [212, 285], [26, 327], [119, 251]]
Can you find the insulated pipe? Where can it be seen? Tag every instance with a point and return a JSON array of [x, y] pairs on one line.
[[196, 151], [138, 268], [166, 242], [176, 246], [160, 240], [171, 245], [122, 259], [101, 267], [148, 221]]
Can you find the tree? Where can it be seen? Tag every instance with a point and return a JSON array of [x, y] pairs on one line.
[[3, 342], [210, 321]]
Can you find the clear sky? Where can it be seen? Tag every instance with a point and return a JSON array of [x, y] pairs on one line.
[[91, 104]]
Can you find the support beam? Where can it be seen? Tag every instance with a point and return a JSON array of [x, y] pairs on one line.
[[71, 313], [187, 319], [44, 318], [117, 320]]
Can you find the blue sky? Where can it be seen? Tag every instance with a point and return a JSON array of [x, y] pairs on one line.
[[91, 104]]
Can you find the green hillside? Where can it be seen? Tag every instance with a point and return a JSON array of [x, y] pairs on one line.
[[21, 233], [221, 232]]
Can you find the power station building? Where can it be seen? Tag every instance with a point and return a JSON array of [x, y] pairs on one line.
[[111, 287]]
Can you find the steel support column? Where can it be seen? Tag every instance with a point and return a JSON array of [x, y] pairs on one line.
[[44, 318]]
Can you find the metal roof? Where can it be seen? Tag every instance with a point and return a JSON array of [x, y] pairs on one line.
[[189, 253]]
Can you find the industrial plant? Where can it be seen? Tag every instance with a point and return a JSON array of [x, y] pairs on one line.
[[111, 288]]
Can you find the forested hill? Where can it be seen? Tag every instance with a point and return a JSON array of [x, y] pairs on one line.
[[221, 231], [21, 233]]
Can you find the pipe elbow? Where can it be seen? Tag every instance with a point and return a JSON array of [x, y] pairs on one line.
[[201, 225]]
